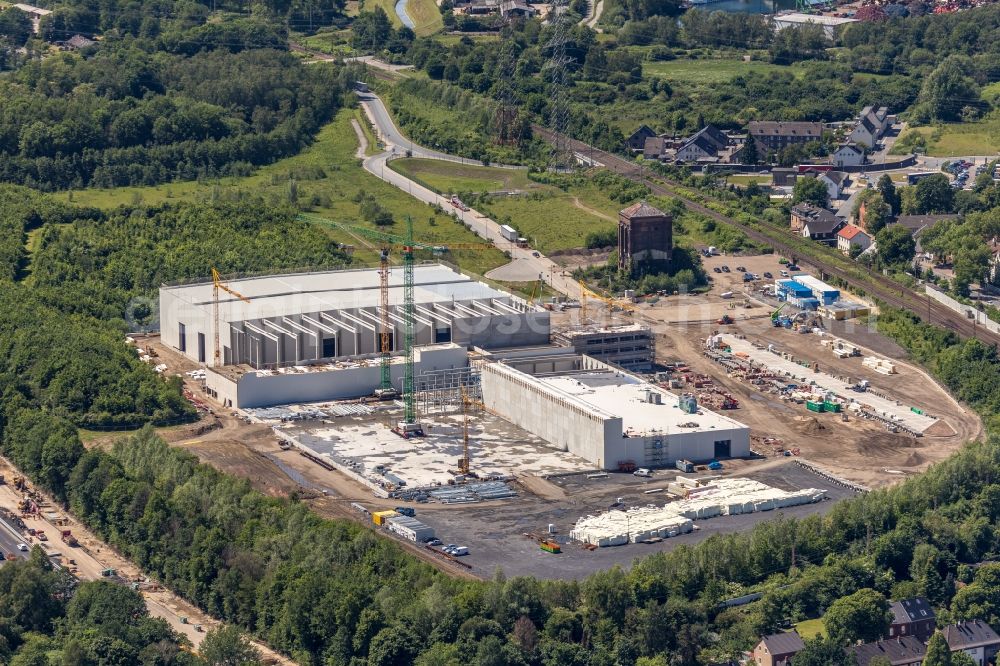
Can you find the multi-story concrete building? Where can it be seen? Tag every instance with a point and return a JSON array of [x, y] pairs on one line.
[[630, 346]]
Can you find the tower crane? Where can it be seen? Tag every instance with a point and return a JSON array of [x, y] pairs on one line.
[[464, 464], [586, 292], [218, 284], [409, 426]]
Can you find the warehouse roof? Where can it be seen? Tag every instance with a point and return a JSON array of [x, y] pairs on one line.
[[300, 293], [620, 394], [815, 285]]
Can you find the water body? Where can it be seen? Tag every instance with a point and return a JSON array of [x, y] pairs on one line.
[[744, 6], [403, 16]]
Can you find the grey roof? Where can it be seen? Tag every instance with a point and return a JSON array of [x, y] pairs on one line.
[[837, 177], [644, 131], [902, 650], [774, 128], [911, 610], [818, 220], [79, 42], [715, 135], [641, 209], [851, 147], [653, 147], [916, 223], [969, 634], [788, 642], [700, 140], [847, 208]]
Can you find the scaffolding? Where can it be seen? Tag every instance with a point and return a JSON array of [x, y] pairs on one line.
[[441, 390]]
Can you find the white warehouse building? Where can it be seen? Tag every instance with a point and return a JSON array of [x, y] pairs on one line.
[[298, 319], [607, 416]]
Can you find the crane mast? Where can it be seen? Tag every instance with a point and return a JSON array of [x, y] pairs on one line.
[[218, 284]]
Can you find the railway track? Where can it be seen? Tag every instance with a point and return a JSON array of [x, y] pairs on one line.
[[879, 286]]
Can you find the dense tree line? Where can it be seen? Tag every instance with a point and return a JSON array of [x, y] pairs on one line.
[[48, 618], [128, 117], [92, 276]]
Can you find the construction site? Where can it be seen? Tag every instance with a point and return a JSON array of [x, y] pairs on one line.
[[549, 438]]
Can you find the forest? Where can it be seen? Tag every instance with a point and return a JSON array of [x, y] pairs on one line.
[[91, 276], [47, 618], [126, 116]]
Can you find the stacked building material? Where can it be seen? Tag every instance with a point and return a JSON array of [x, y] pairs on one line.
[[721, 497]]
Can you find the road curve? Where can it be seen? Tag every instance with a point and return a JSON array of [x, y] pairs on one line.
[[530, 262], [877, 285]]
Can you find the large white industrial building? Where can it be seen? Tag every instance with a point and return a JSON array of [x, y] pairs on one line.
[[606, 415], [307, 317]]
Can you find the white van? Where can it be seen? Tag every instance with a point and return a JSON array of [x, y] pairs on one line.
[[642, 471]]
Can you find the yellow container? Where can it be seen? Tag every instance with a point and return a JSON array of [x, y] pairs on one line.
[[379, 517]]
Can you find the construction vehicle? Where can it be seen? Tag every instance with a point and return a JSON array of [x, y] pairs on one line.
[[550, 546], [217, 285], [408, 427], [724, 320], [861, 386], [19, 482], [612, 303], [68, 539], [776, 313]]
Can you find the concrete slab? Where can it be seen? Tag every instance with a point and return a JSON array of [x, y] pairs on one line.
[[498, 448], [519, 270]]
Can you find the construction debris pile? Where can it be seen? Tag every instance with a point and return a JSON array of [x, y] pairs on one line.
[[473, 492], [702, 499]]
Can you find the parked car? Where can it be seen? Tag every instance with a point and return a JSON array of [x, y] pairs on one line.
[[784, 274], [767, 275], [741, 269], [433, 541], [725, 269], [459, 551], [717, 269]]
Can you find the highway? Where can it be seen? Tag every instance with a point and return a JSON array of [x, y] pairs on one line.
[[879, 286], [9, 540], [528, 262]]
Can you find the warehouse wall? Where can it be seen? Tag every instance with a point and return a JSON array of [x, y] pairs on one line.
[[540, 410], [253, 390]]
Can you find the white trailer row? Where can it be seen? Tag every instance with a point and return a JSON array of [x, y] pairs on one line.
[[720, 497]]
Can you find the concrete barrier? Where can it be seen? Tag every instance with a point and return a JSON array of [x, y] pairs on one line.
[[969, 311]]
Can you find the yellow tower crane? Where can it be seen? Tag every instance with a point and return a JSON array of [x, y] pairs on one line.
[[612, 303], [218, 284], [464, 465]]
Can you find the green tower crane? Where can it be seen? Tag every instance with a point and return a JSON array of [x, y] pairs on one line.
[[408, 245]]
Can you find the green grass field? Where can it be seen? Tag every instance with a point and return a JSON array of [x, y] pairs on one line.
[[425, 14], [961, 139], [449, 177], [328, 174], [811, 628], [760, 179], [705, 72]]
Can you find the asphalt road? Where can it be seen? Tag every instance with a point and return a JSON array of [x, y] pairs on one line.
[[9, 539], [529, 262]]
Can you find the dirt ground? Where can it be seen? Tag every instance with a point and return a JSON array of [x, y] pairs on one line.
[[859, 450]]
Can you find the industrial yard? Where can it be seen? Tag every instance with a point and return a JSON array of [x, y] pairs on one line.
[[524, 444]]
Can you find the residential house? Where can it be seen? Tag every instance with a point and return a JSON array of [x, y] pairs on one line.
[[654, 148], [836, 182], [637, 141], [910, 617], [814, 223], [704, 145], [848, 237], [975, 638], [519, 8], [77, 42], [848, 155], [774, 136], [918, 223], [871, 126], [995, 260], [900, 651], [35, 14], [777, 649]]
